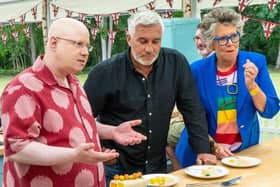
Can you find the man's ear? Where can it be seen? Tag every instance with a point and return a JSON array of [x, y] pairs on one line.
[[128, 38], [52, 42]]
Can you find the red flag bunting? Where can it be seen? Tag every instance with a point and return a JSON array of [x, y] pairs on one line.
[[82, 17], [12, 22], [166, 15], [68, 13], [22, 19], [244, 18], [98, 20], [26, 31], [112, 35], [267, 29], [15, 35], [132, 11], [115, 17], [272, 4], [1, 27], [170, 3], [216, 2], [55, 10], [151, 5], [4, 38], [34, 12], [94, 32], [242, 4]]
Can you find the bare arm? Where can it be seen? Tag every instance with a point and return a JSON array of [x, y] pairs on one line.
[[172, 156], [37, 153]]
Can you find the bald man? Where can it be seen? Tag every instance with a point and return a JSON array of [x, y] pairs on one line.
[[50, 136]]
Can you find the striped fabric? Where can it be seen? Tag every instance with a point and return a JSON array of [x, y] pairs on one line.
[[227, 131]]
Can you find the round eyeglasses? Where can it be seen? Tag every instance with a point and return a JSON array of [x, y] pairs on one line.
[[223, 40], [77, 44]]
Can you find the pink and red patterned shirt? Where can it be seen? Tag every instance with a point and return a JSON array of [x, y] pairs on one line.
[[36, 108]]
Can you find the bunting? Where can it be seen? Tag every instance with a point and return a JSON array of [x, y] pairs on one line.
[[112, 35], [151, 5], [272, 4], [15, 35], [22, 19], [4, 38], [26, 31], [68, 13], [1, 26], [55, 10], [94, 32], [82, 17], [98, 20], [133, 11], [242, 4], [12, 23], [216, 2], [267, 29], [115, 17], [170, 3], [34, 12]]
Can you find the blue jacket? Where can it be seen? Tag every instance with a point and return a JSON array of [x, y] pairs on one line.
[[204, 71]]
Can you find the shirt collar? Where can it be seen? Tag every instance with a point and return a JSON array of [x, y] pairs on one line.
[[46, 75]]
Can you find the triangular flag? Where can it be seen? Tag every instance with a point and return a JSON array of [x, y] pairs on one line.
[[22, 19], [34, 12], [216, 2], [151, 5], [132, 11], [55, 10], [68, 13], [242, 4], [82, 17], [115, 17], [170, 3], [112, 35], [272, 4], [98, 20], [4, 38], [267, 29], [15, 35], [26, 31], [94, 32]]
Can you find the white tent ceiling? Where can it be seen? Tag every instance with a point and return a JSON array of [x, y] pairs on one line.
[[13, 9]]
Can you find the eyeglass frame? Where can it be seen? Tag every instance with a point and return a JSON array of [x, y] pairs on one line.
[[77, 44], [228, 37]]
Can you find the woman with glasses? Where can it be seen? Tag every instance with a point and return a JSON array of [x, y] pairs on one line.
[[234, 85]]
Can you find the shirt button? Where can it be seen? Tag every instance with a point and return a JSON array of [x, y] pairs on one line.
[[150, 131], [150, 113], [148, 95], [143, 79], [146, 162], [149, 147], [242, 126]]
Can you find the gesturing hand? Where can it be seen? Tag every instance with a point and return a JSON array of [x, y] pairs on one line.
[[125, 135], [86, 154], [250, 73]]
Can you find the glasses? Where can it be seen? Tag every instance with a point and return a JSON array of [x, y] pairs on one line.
[[223, 40], [79, 45]]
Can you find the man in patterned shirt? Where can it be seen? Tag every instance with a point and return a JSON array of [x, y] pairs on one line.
[[50, 135]]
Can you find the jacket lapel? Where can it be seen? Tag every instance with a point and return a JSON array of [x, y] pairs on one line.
[[210, 85]]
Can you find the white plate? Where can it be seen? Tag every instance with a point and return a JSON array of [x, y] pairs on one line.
[[170, 179], [241, 161], [206, 171]]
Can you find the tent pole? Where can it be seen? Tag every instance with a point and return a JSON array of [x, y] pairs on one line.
[[45, 20]]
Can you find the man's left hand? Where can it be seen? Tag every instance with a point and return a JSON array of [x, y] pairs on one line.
[[206, 159], [125, 135]]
